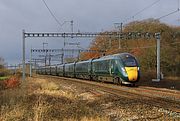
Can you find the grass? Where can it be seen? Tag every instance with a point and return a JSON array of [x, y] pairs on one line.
[[3, 78], [173, 78], [46, 100]]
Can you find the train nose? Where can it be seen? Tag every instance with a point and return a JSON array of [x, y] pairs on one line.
[[132, 73]]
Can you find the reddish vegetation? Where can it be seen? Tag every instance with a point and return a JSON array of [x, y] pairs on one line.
[[136, 51], [12, 82]]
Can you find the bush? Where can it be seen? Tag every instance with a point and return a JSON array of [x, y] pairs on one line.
[[4, 72], [12, 82]]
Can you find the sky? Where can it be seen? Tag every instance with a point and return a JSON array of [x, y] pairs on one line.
[[87, 16]]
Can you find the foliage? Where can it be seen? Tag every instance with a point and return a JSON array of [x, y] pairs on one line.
[[3, 70], [144, 49], [52, 101], [12, 82], [1, 63], [70, 60], [3, 78]]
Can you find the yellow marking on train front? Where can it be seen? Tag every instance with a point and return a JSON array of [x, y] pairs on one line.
[[132, 73]]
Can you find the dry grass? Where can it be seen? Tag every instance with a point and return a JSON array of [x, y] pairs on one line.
[[89, 119], [40, 108], [49, 100], [12, 113], [46, 100], [46, 85], [173, 78]]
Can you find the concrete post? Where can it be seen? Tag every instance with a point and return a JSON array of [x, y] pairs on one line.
[[158, 56], [23, 60], [30, 71], [158, 38]]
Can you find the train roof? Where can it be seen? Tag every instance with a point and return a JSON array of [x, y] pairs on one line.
[[85, 61], [116, 56]]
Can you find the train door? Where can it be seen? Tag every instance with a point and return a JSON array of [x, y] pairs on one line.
[[111, 67], [90, 69]]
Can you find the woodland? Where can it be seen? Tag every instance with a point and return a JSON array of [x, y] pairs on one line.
[[144, 49]]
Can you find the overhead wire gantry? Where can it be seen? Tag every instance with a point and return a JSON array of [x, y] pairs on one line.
[[119, 35]]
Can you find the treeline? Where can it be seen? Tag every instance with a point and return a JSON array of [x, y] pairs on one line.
[[3, 70], [144, 49]]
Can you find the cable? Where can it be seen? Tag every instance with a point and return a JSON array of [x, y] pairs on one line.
[[146, 8], [178, 9], [174, 43], [146, 47], [142, 10], [51, 13], [168, 14]]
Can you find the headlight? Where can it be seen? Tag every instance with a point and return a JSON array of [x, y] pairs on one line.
[[123, 69], [124, 72]]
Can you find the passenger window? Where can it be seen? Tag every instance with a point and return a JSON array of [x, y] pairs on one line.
[[116, 62], [112, 64]]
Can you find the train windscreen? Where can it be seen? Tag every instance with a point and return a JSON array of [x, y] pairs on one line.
[[129, 61]]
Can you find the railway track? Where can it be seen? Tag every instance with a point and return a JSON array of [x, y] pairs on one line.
[[166, 99]]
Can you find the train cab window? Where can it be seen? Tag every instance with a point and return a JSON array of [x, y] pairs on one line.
[[129, 61]]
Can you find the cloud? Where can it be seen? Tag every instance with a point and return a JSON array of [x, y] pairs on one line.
[[88, 16]]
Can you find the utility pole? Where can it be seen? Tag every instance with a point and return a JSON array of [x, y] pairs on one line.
[[49, 59], [62, 58], [23, 60], [119, 26], [110, 42], [45, 43], [35, 65], [71, 26], [30, 71], [15, 69], [158, 38], [119, 36]]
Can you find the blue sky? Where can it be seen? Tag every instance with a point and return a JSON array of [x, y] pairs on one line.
[[88, 16]]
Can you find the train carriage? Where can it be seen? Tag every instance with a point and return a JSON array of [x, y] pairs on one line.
[[117, 68], [38, 70], [69, 70], [83, 69], [54, 70], [60, 70], [43, 70], [48, 70], [100, 70], [130, 69]]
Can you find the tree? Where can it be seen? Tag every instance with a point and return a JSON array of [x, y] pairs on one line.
[[144, 49], [2, 63]]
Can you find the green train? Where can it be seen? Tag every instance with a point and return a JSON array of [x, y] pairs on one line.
[[120, 68]]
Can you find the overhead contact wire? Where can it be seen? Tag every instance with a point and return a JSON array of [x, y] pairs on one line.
[[51, 13], [167, 14], [149, 6]]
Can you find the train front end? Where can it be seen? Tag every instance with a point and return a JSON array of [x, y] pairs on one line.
[[130, 68]]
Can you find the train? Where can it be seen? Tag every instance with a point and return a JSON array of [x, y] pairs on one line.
[[121, 68]]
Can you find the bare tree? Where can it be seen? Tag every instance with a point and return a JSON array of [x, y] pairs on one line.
[[2, 63]]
